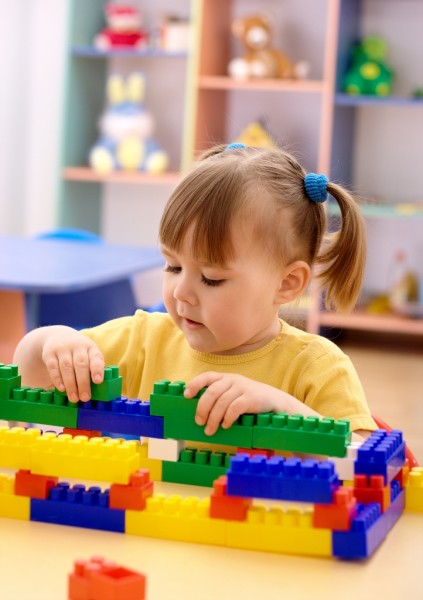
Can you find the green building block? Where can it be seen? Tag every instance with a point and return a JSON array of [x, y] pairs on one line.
[[296, 433], [111, 387], [35, 405], [196, 467], [167, 400], [9, 380], [239, 434]]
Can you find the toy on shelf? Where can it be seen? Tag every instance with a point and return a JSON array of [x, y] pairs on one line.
[[368, 73], [261, 60], [256, 135], [123, 28], [126, 128]]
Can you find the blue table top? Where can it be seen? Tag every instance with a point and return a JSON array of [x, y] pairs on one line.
[[57, 266]]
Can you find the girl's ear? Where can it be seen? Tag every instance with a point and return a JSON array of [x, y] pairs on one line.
[[295, 279]]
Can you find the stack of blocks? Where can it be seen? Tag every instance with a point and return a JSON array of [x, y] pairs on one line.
[[345, 521]]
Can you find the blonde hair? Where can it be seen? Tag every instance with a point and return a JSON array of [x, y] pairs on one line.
[[266, 189]]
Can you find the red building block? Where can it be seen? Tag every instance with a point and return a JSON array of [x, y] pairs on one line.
[[372, 488], [98, 579], [338, 515], [134, 495], [230, 508], [34, 486], [87, 432], [255, 451]]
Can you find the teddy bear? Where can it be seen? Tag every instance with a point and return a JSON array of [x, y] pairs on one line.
[[126, 127], [261, 60]]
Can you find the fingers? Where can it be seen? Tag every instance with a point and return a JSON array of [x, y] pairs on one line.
[[71, 371], [200, 382]]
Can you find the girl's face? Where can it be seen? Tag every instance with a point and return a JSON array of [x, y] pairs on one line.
[[223, 310]]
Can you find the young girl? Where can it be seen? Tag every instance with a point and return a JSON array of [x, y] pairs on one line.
[[240, 235]]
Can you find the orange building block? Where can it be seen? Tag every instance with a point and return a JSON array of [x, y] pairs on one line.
[[339, 514], [98, 579], [134, 495], [230, 508], [34, 486], [372, 489]]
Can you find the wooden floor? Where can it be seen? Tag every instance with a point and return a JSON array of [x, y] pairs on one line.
[[391, 372]]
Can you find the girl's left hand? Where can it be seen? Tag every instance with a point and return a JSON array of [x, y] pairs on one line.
[[228, 396]]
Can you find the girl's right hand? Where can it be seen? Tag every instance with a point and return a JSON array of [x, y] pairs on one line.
[[72, 360]]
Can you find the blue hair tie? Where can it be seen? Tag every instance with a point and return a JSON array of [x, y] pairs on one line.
[[235, 146], [316, 187]]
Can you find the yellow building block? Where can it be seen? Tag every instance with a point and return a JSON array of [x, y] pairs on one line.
[[287, 531], [98, 459], [152, 464], [11, 506], [414, 490], [16, 444], [177, 518]]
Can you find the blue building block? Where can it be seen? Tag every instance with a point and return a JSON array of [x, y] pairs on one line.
[[369, 528], [78, 507], [122, 416], [278, 478], [381, 454]]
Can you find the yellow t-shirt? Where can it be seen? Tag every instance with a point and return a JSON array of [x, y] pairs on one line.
[[148, 347]]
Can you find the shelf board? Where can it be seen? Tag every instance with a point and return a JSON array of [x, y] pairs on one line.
[[361, 320], [350, 100], [91, 52], [87, 174], [217, 82], [384, 211]]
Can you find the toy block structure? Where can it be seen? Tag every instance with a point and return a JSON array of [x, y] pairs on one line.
[[99, 579], [344, 522]]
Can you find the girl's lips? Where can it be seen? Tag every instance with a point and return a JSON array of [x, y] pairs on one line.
[[192, 324]]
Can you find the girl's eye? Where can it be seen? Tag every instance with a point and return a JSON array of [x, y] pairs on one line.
[[211, 282], [171, 269]]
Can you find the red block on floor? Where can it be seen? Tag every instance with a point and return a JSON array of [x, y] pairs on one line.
[[98, 579]]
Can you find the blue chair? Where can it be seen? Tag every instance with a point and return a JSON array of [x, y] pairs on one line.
[[85, 308]]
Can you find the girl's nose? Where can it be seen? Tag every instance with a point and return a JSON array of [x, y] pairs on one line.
[[184, 292]]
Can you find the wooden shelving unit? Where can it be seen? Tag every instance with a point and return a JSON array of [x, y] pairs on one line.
[[313, 117]]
